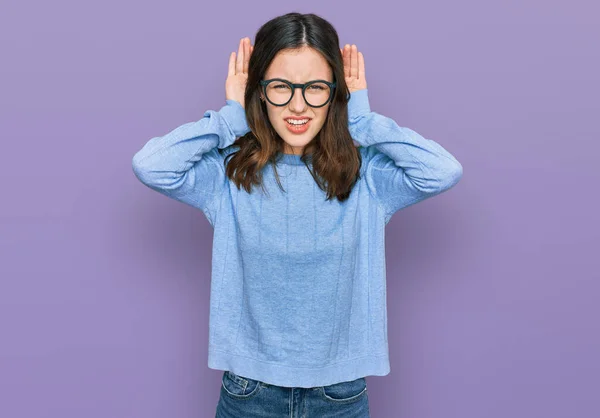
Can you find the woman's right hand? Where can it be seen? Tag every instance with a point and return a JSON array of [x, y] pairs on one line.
[[235, 85]]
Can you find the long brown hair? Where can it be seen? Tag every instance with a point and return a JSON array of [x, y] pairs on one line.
[[335, 159]]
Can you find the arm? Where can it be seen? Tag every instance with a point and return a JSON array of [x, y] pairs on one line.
[[401, 167], [185, 164]]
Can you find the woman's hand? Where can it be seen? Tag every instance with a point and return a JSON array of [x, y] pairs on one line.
[[354, 68], [235, 85]]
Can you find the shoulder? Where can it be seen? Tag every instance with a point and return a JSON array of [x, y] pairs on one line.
[[368, 155], [218, 155], [224, 152], [368, 152]]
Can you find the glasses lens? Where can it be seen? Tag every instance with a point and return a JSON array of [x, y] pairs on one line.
[[317, 94], [280, 93]]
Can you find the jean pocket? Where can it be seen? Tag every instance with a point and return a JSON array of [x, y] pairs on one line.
[[238, 386], [345, 391]]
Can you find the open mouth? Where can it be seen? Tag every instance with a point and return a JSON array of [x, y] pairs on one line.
[[296, 122], [297, 126]]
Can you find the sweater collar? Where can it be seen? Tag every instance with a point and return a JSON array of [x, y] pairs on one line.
[[291, 159]]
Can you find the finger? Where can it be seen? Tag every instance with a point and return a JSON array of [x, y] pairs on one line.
[[231, 64], [354, 62], [239, 63], [246, 54], [248, 49], [346, 60], [361, 66]]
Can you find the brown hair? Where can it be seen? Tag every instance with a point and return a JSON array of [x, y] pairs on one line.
[[335, 159]]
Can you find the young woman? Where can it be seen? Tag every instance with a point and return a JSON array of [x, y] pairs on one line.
[[298, 291]]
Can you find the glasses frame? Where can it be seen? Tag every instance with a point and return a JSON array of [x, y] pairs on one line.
[[294, 86]]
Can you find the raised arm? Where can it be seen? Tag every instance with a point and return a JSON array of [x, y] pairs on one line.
[[401, 167], [185, 163]]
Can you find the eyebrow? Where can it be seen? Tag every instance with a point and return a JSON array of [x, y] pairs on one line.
[[283, 78]]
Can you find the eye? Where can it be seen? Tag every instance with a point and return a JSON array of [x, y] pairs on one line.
[[316, 87], [281, 86]]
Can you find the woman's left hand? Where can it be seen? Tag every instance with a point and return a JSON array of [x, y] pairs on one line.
[[354, 68]]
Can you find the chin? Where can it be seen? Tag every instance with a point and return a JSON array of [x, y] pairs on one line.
[[298, 141]]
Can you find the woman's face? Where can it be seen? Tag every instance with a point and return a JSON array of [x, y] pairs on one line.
[[297, 66]]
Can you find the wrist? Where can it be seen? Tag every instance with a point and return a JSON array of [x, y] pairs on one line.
[[235, 115], [359, 104]]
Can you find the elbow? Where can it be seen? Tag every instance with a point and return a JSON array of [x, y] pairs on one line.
[[142, 172], [451, 176], [157, 179]]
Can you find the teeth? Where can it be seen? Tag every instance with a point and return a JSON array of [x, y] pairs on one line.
[[294, 122]]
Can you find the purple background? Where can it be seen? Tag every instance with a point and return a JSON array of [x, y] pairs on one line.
[[492, 286]]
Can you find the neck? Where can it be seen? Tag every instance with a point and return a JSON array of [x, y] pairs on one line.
[[292, 151]]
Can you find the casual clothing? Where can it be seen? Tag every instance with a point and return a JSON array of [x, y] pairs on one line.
[[298, 285], [249, 398]]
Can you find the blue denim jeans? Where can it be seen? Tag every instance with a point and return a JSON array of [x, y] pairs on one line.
[[242, 397]]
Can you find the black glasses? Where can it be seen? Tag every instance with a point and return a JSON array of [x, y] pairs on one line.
[[279, 92]]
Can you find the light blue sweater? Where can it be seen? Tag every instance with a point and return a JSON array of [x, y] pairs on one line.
[[298, 285]]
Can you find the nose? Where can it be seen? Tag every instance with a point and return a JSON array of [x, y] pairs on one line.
[[297, 104]]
